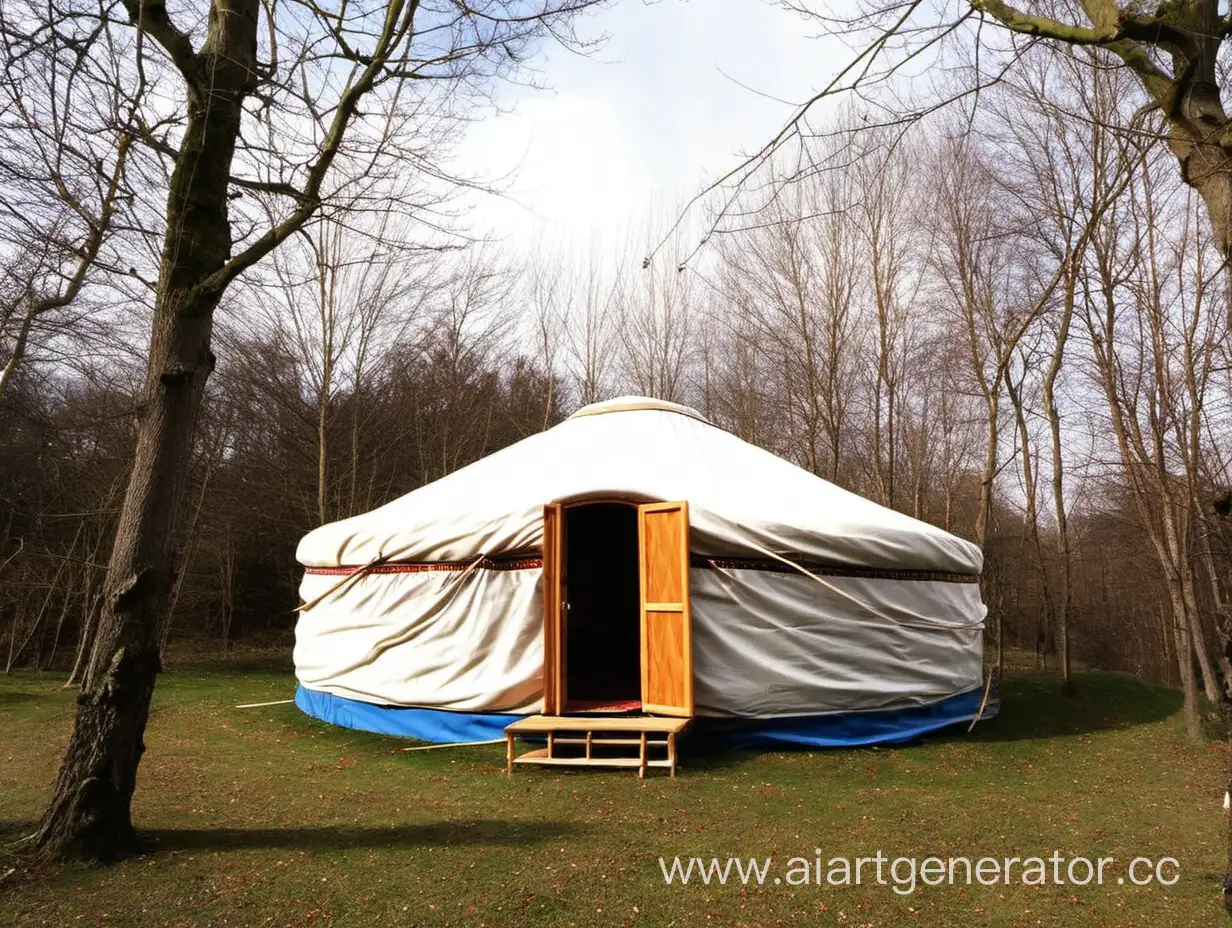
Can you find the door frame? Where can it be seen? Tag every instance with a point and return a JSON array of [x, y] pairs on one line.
[[555, 595], [555, 601], [554, 675]]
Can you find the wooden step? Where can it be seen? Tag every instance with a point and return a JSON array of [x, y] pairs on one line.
[[606, 733], [546, 723], [602, 741], [541, 757]]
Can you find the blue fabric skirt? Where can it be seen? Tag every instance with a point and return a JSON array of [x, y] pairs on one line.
[[851, 729]]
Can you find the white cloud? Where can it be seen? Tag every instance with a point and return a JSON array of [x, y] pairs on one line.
[[645, 123]]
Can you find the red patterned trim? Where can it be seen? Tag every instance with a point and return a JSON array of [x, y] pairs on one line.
[[828, 570], [695, 561], [420, 567]]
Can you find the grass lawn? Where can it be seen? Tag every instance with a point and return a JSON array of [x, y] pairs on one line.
[[265, 817]]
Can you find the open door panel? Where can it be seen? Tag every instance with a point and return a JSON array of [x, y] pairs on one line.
[[667, 642], [553, 609]]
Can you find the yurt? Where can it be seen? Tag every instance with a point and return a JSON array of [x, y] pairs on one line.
[[636, 558]]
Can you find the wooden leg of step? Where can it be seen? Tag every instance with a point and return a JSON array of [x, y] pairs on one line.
[[589, 735], [509, 752], [641, 769], [671, 753], [551, 742]]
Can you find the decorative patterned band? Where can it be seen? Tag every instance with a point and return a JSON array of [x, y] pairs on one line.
[[828, 570], [695, 561], [419, 567]]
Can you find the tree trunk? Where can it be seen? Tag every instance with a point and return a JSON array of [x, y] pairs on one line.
[[89, 817], [1031, 522], [989, 473], [322, 449], [1058, 480], [1225, 702], [66, 604], [1210, 679], [19, 351], [1189, 683], [92, 603], [1185, 658], [1181, 566]]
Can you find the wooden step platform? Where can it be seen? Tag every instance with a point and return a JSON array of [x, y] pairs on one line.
[[596, 736]]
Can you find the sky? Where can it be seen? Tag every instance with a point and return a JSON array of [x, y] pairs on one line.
[[621, 139]]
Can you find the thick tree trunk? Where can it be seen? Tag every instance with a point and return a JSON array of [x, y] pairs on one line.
[[1205, 160], [1206, 164], [1223, 508], [89, 817]]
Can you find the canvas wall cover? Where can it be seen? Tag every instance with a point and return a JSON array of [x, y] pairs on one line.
[[806, 600]]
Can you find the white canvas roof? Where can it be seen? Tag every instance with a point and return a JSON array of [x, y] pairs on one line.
[[901, 627], [742, 499]]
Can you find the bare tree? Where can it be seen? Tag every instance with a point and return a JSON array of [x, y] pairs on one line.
[[469, 326], [66, 142], [1174, 53], [973, 262], [342, 295], [1137, 362], [545, 284], [657, 312], [886, 218], [319, 110], [588, 319], [1081, 167], [795, 278]]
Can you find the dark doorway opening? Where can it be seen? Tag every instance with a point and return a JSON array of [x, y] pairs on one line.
[[602, 646]]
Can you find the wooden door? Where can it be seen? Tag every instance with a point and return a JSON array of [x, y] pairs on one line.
[[553, 609], [667, 644]]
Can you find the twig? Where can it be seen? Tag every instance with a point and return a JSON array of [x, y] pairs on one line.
[[453, 744], [983, 702]]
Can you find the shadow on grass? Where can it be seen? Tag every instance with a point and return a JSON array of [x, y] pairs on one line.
[[320, 839], [341, 837], [14, 698], [1034, 708], [14, 830], [714, 758], [239, 665]]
